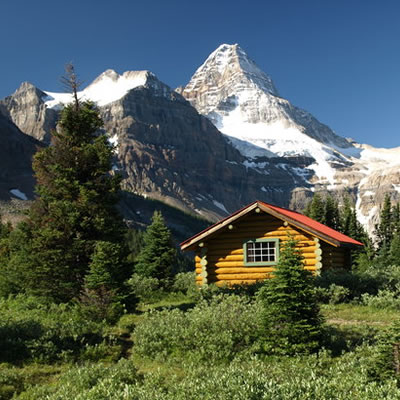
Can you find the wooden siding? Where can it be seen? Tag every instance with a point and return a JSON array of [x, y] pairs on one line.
[[222, 254], [335, 257]]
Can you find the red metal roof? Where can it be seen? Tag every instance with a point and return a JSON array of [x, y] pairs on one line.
[[317, 226], [286, 214]]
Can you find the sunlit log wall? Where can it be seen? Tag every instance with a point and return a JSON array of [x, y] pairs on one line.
[[220, 258]]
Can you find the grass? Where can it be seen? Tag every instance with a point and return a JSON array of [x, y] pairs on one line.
[[355, 314]]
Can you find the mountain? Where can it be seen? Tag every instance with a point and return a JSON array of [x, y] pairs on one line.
[[164, 148], [244, 104], [220, 142], [16, 176]]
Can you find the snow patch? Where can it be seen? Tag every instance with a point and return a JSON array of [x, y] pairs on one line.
[[220, 206], [277, 139], [108, 87], [19, 194]]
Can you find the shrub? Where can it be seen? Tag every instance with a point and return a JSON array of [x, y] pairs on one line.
[[145, 288], [301, 378], [31, 328], [334, 294], [91, 382], [385, 361], [211, 331], [384, 299], [185, 282], [356, 283]]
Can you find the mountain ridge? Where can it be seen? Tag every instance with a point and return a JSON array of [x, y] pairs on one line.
[[221, 141]]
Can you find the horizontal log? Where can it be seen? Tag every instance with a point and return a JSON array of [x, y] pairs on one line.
[[238, 257], [228, 264], [310, 268], [340, 259], [308, 249], [239, 270], [236, 282], [261, 233], [229, 277], [216, 251]]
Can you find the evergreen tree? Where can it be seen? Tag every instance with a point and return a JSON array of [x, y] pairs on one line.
[[291, 319], [158, 255], [396, 218], [135, 243], [317, 208], [331, 214], [384, 230], [394, 255], [75, 209]]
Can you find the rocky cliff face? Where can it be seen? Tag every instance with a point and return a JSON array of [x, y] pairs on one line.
[[26, 108], [165, 149], [16, 152], [169, 144]]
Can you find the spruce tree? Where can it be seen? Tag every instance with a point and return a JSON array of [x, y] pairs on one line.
[[394, 254], [74, 211], [316, 209], [158, 256], [331, 214], [291, 319], [384, 230]]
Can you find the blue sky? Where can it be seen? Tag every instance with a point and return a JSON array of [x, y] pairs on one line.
[[340, 60]]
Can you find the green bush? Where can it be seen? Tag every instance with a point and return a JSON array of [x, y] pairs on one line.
[[185, 282], [357, 283], [385, 359], [384, 299], [91, 382], [334, 294], [31, 328], [144, 288], [211, 331], [297, 378]]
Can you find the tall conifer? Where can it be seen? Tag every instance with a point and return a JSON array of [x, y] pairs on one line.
[[158, 256], [75, 208], [291, 319]]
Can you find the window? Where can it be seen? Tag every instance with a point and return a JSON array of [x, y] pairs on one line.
[[261, 252]]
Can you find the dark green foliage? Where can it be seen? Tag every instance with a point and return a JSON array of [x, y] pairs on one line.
[[331, 214], [291, 321], [33, 329], [350, 225], [5, 229], [103, 269], [56, 248], [135, 242], [210, 332], [158, 255], [395, 249], [385, 362], [316, 208], [385, 228]]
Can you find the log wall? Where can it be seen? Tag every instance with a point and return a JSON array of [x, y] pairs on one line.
[[220, 260], [335, 257]]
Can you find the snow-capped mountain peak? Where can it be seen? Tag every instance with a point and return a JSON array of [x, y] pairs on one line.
[[106, 88], [242, 101]]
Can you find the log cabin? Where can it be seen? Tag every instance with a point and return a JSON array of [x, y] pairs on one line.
[[243, 248]]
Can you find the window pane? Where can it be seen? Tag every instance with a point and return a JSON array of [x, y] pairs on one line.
[[260, 252]]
